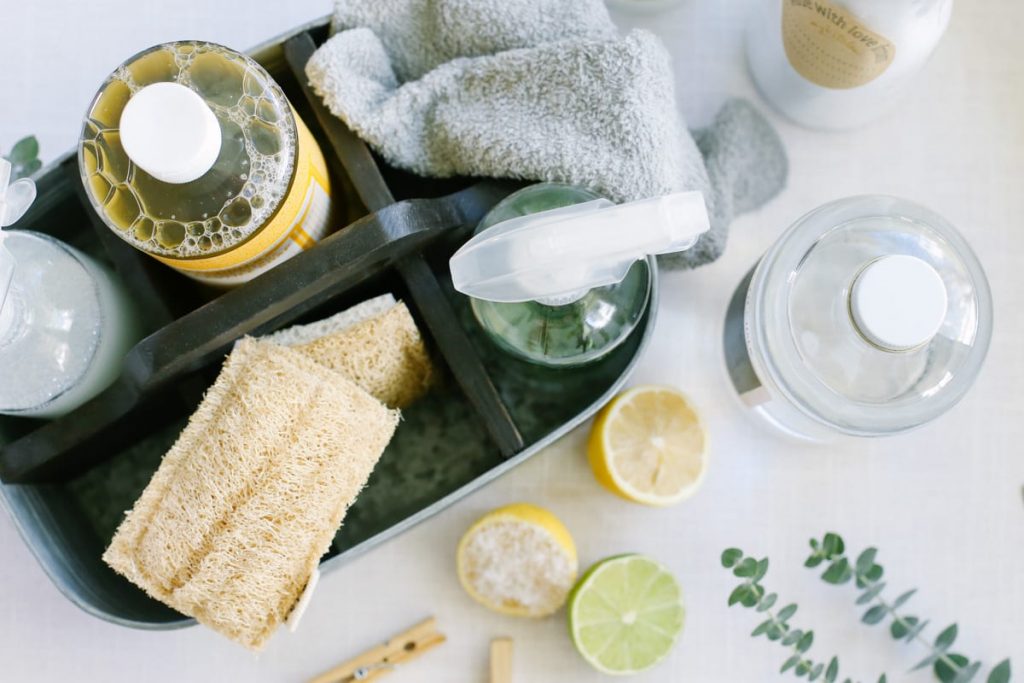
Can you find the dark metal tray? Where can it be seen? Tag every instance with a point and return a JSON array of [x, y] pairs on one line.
[[67, 482]]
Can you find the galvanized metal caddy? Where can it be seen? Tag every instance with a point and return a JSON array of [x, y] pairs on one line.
[[67, 482]]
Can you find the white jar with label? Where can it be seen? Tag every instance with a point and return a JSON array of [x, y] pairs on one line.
[[870, 316], [836, 65]]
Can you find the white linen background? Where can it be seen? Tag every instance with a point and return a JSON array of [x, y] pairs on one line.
[[943, 504]]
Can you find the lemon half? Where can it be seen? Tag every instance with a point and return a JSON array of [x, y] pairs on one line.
[[648, 445]]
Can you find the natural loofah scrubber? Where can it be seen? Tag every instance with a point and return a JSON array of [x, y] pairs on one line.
[[234, 522]]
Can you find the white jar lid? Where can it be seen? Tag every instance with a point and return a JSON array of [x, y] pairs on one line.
[[898, 302], [170, 132]]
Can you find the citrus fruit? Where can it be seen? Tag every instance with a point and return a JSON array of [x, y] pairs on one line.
[[648, 445], [518, 560], [625, 614]]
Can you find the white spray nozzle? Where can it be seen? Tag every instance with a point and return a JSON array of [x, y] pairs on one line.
[[558, 255], [15, 198]]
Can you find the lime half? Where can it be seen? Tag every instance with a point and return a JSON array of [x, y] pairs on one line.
[[625, 614]]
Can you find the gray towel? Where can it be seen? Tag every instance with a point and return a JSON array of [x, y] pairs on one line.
[[540, 90]]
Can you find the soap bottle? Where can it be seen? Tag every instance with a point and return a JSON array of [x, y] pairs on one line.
[[192, 153], [65, 322], [870, 316], [838, 64], [558, 276]]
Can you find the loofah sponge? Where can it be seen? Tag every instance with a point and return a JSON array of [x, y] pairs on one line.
[[303, 334], [235, 520], [385, 355]]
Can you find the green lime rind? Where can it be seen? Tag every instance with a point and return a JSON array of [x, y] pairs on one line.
[[625, 614]]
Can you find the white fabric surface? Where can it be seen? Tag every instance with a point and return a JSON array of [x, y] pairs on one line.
[[943, 504]]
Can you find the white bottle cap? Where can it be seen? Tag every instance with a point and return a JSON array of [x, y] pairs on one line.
[[556, 256], [170, 132], [898, 302]]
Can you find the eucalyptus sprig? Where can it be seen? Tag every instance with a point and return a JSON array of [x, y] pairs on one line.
[[24, 157], [949, 667], [752, 594]]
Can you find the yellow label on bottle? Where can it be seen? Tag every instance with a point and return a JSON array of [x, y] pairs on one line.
[[302, 220], [830, 46]]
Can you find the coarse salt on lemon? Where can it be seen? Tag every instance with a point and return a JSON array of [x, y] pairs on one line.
[[648, 445], [518, 560]]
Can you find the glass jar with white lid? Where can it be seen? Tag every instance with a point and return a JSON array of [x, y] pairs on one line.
[[870, 316]]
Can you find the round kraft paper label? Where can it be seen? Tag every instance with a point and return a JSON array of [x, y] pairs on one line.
[[830, 46]]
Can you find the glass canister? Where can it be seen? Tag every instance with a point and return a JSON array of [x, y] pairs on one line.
[[65, 321], [870, 316], [66, 324], [838, 64], [192, 153]]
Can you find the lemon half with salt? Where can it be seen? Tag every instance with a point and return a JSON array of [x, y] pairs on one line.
[[518, 560]]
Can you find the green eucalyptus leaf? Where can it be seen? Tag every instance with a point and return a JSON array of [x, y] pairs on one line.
[[869, 577], [731, 556], [803, 667], [789, 664], [871, 593], [814, 544], [874, 615], [753, 596], [767, 602], [761, 628], [738, 594], [776, 632], [24, 151], [967, 674], [927, 661], [901, 627], [946, 638], [838, 572], [903, 598], [916, 630], [814, 560], [805, 642], [832, 671], [28, 169], [786, 612], [866, 560], [746, 568], [760, 570], [833, 545], [1000, 674], [793, 636], [816, 672], [947, 674], [882, 679]]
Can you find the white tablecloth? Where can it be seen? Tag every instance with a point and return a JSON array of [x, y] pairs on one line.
[[943, 504]]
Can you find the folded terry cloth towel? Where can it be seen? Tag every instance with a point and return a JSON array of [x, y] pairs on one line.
[[540, 90]]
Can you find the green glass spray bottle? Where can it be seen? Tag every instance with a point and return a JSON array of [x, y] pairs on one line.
[[558, 276]]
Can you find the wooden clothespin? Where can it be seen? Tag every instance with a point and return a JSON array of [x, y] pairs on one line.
[[501, 660], [383, 658]]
